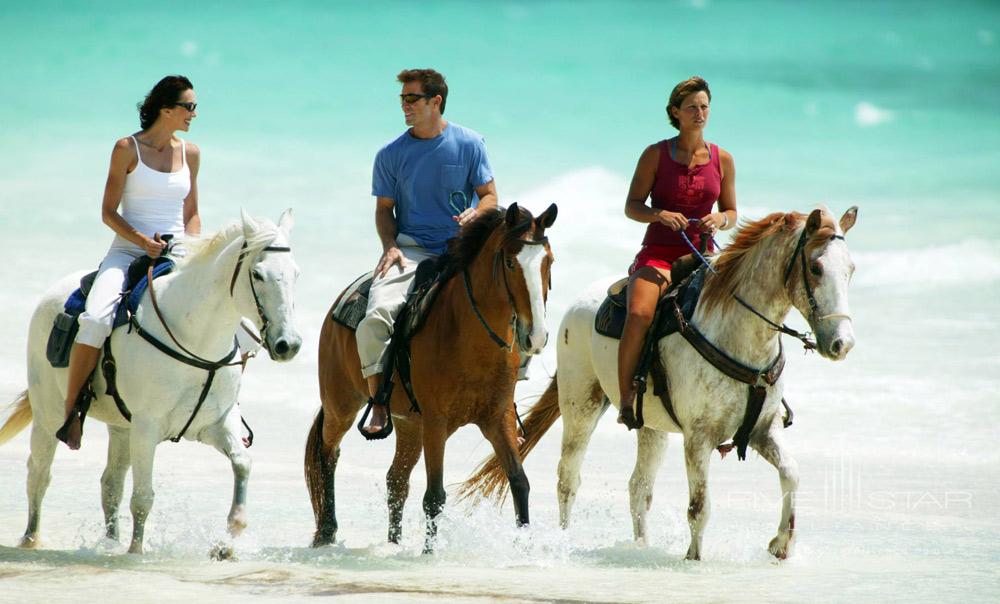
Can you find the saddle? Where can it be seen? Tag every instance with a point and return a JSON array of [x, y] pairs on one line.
[[349, 309], [687, 279], [65, 325]]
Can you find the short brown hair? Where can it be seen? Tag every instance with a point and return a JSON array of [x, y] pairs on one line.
[[681, 91], [431, 81]]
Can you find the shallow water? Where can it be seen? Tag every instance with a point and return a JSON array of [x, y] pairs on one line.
[[888, 107]]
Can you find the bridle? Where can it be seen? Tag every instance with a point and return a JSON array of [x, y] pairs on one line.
[[192, 359], [508, 266], [264, 323], [798, 253]]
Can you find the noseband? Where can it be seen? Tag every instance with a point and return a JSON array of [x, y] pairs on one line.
[[510, 295]]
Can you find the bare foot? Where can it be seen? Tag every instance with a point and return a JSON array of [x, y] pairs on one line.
[[626, 414], [74, 433], [378, 420]]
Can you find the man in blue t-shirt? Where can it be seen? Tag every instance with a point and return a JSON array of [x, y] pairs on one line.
[[427, 183]]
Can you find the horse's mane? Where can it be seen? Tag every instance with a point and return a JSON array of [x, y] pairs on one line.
[[734, 264], [206, 247], [463, 249]]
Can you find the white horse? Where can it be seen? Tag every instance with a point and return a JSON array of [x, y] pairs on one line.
[[781, 261], [248, 270]]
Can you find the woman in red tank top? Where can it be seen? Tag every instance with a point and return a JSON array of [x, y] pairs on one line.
[[683, 177]]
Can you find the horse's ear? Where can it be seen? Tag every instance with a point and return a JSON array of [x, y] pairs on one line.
[[512, 216], [548, 216], [286, 222], [814, 221], [249, 224], [847, 220]]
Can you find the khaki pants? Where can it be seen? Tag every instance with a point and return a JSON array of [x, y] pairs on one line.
[[385, 298]]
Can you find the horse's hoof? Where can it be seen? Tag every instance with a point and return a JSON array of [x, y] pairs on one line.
[[28, 542], [221, 552], [323, 540], [780, 548], [135, 548]]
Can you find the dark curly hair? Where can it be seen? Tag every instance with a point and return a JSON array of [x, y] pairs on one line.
[[432, 82], [166, 93], [681, 91]]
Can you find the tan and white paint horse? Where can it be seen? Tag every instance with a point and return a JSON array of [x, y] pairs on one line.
[[762, 266]]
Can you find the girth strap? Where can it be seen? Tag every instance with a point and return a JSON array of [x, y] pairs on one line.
[[197, 407]]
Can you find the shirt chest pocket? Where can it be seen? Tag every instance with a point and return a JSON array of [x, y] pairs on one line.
[[454, 177]]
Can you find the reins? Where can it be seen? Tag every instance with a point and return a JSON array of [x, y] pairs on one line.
[[807, 343], [193, 359]]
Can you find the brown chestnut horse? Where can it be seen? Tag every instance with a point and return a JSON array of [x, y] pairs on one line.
[[491, 308]]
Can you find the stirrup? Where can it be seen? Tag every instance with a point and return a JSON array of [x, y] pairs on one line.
[[627, 417], [386, 429]]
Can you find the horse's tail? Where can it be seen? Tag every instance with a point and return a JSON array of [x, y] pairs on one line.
[[490, 479], [314, 467], [19, 418]]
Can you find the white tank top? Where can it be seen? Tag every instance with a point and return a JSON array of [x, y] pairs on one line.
[[153, 201]]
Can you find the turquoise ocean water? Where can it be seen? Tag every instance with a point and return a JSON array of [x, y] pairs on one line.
[[891, 106]]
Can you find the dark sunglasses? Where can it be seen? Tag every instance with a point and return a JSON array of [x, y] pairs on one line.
[[411, 98], [189, 106]]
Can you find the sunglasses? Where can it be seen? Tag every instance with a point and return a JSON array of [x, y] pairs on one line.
[[189, 106], [411, 98]]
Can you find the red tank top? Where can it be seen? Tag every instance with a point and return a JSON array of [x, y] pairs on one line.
[[690, 192]]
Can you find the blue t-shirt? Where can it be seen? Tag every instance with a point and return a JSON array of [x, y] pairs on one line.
[[423, 175]]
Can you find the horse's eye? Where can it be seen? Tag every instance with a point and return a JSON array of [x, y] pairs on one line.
[[257, 274], [816, 269], [509, 262]]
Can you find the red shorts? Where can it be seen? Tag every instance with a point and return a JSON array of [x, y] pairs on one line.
[[658, 256]]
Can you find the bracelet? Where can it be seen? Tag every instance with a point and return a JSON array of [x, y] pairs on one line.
[[726, 223]]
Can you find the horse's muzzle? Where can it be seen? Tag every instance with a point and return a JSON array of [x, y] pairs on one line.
[[837, 339], [284, 347], [528, 340]]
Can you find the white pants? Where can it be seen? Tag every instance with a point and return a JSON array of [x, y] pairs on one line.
[[96, 321], [385, 298]]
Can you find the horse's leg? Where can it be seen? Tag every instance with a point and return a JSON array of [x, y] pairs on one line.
[[581, 408], [771, 447], [225, 436], [43, 448], [502, 435], [652, 446], [397, 479], [697, 453], [142, 446], [113, 479], [322, 453], [434, 437]]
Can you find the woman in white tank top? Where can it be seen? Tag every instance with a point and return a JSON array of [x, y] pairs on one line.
[[151, 191]]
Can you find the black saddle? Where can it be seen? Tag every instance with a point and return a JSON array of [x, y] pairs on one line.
[[687, 279], [350, 308]]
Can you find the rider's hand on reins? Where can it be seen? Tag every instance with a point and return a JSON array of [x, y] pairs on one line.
[[673, 220], [467, 216], [710, 223], [390, 257], [155, 246]]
